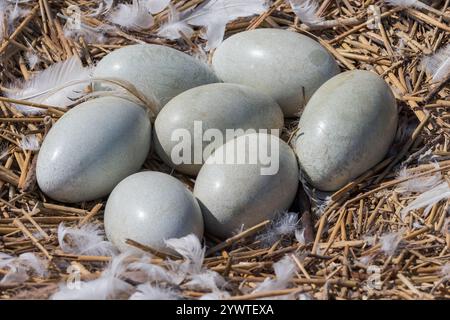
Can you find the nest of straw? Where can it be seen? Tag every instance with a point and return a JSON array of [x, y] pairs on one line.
[[343, 245]]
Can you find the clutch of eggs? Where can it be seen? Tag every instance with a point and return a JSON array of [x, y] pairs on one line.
[[98, 143], [347, 126]]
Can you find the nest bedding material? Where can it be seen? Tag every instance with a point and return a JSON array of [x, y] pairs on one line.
[[383, 236]]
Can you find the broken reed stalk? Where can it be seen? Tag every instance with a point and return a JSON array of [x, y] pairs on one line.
[[27, 103], [242, 235], [28, 234], [435, 90], [151, 250]]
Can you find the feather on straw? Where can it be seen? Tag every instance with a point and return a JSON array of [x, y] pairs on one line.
[[150, 292], [32, 59], [108, 286], [437, 65], [89, 34], [284, 272], [4, 151], [20, 267], [9, 13], [420, 184], [156, 6], [429, 198], [445, 271], [390, 241], [190, 248], [285, 225], [306, 11], [104, 7], [175, 26], [40, 88], [157, 273], [87, 240], [30, 142], [209, 280], [300, 236], [214, 16], [135, 16]]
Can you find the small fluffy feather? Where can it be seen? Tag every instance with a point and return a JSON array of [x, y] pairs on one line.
[[306, 11], [214, 16], [445, 271], [208, 280], [42, 87], [191, 269], [9, 13], [135, 16], [402, 3], [17, 13], [284, 272], [32, 59], [365, 260], [108, 286], [390, 241], [284, 225], [33, 263], [89, 34], [300, 236], [149, 292], [417, 225], [429, 198], [157, 273], [104, 7], [438, 64], [174, 26], [426, 157], [86, 240], [190, 248], [370, 240], [420, 184], [212, 281], [156, 6], [30, 142], [15, 273], [2, 25], [19, 268], [4, 151], [400, 47]]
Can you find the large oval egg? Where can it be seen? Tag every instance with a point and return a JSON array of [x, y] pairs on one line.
[[157, 71], [246, 181], [150, 207], [345, 129], [206, 111], [286, 65], [92, 148]]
